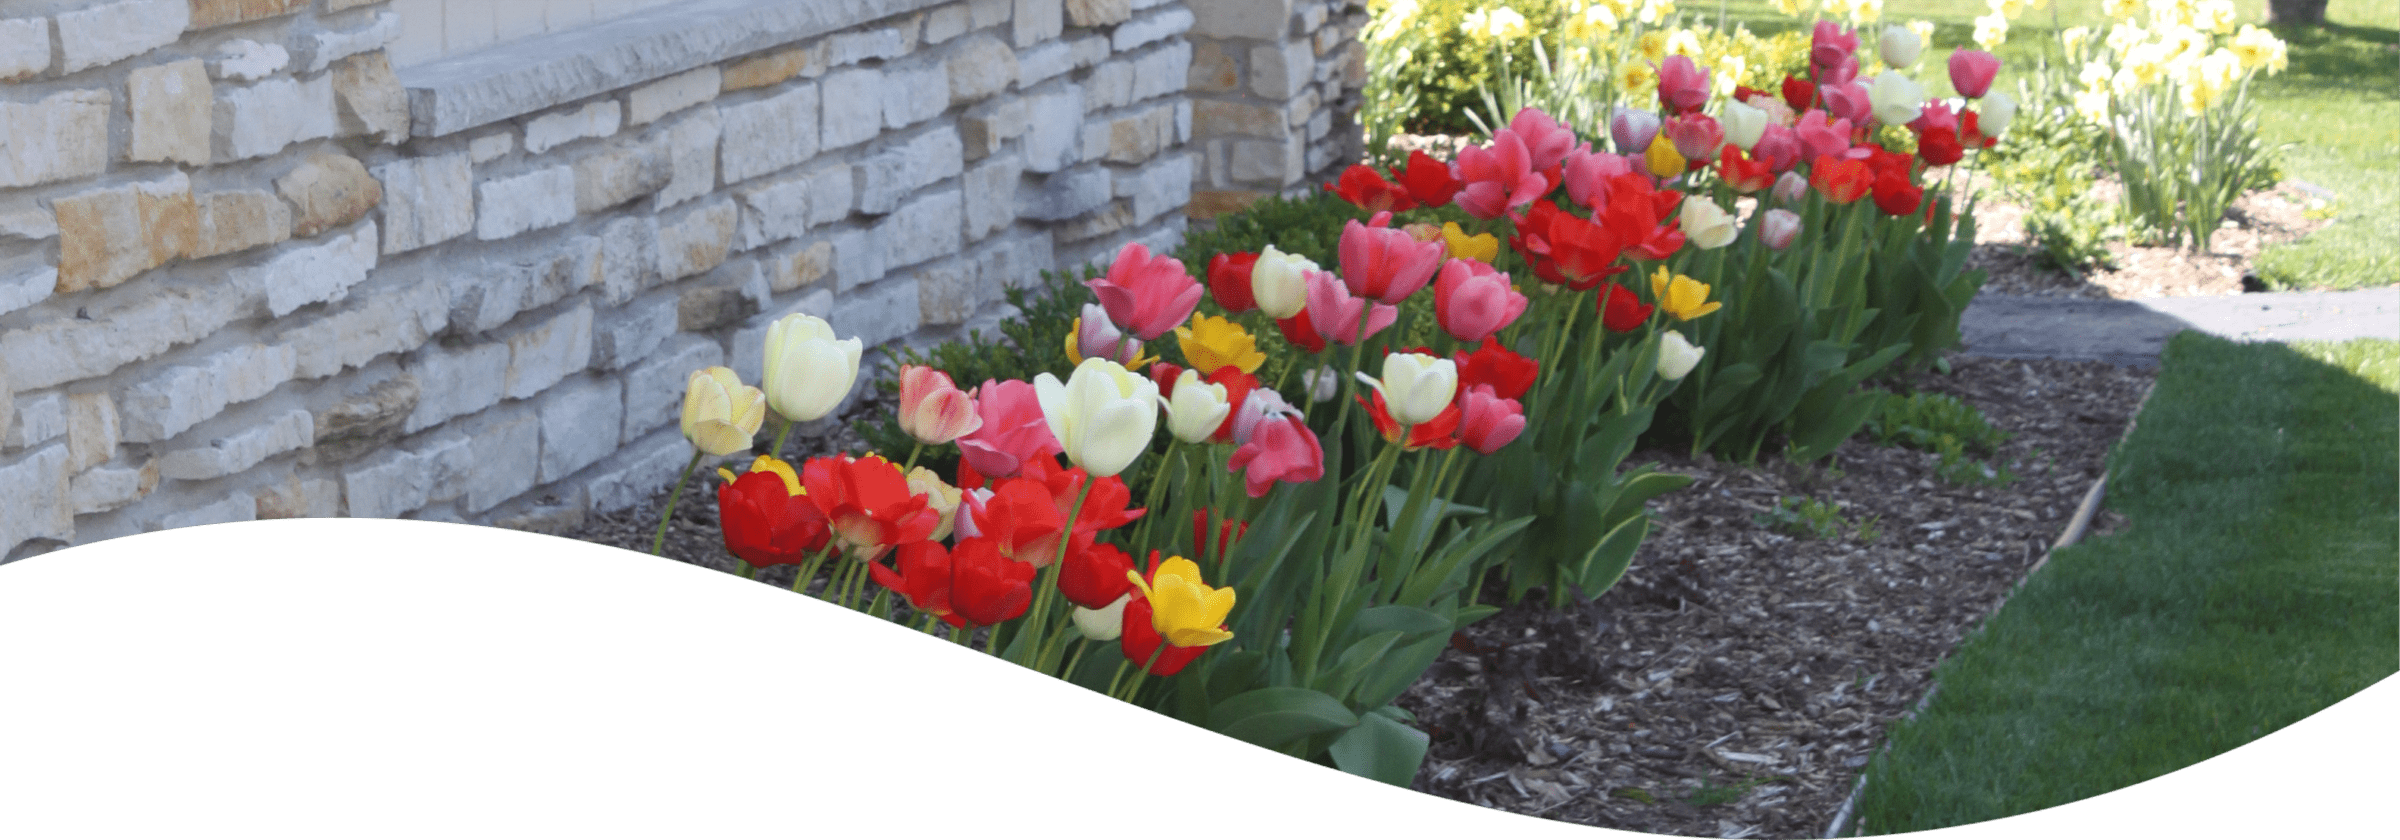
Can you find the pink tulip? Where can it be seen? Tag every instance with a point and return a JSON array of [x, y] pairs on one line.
[[1633, 130], [1697, 137], [1829, 43], [1013, 429], [1487, 422], [1819, 138], [1850, 102], [1971, 72], [1937, 114], [1386, 264], [1546, 142], [1587, 174], [1335, 313], [1790, 188], [1840, 72], [1780, 226], [1779, 147], [1282, 450], [932, 409], [1682, 85], [1262, 405], [1473, 300], [1148, 295], [1498, 176], [1096, 338]]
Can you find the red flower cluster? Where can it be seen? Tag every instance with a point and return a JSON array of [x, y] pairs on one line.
[[1425, 182], [1484, 414]]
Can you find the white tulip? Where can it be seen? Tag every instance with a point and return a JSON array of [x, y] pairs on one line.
[[1415, 387], [1677, 356], [1999, 109], [1706, 225], [1103, 415], [808, 371], [1104, 624], [1898, 99], [1279, 282], [1743, 124], [1899, 47], [1196, 409]]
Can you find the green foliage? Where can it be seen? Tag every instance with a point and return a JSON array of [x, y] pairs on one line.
[[1804, 517], [2050, 164], [1310, 226], [1921, 420], [1440, 67]]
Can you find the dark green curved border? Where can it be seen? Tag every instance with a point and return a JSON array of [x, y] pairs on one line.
[[390, 678]]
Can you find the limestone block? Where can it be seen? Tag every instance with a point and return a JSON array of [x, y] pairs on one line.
[[427, 200], [692, 155], [869, 45], [296, 497], [454, 382], [8, 401], [722, 300], [259, 120], [887, 176], [245, 60], [947, 22], [580, 419], [507, 456], [1140, 136], [369, 99], [1162, 71], [208, 13], [772, 211], [769, 134], [1151, 29], [980, 67], [489, 294], [1065, 195], [628, 257], [26, 285], [1054, 123], [697, 241], [329, 191], [1264, 20], [671, 94], [1099, 12], [1109, 219], [330, 46], [948, 291], [120, 332], [237, 506], [1037, 21], [24, 48], [34, 491], [773, 68], [637, 471], [990, 12], [106, 236], [179, 397], [1267, 161], [991, 196], [542, 198], [394, 321], [853, 110], [35, 223], [619, 174], [322, 273], [1109, 86], [880, 313], [237, 220], [40, 417], [287, 431], [1088, 50], [597, 119], [171, 105], [796, 268], [628, 334], [1213, 70], [387, 484], [491, 146], [92, 431], [654, 387], [105, 489], [830, 194], [1043, 63], [984, 127], [1164, 185], [111, 32], [750, 343], [557, 512], [1239, 118], [367, 421], [857, 258], [543, 353], [926, 227], [64, 135]]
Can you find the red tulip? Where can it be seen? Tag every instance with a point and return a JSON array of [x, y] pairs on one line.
[[1744, 175], [1437, 433], [1363, 186], [1798, 93], [1510, 375], [1228, 532], [1280, 449], [1229, 281], [1970, 133], [1238, 386], [1019, 520], [1841, 180], [1488, 421], [868, 503], [1896, 195], [1621, 310], [1095, 577], [923, 577], [1583, 251], [986, 588], [767, 522], [1940, 147], [1300, 332], [1429, 181]]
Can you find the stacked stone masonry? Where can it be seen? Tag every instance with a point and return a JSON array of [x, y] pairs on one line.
[[248, 270]]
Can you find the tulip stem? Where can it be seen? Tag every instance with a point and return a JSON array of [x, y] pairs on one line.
[[1158, 486], [1039, 615], [1084, 647], [743, 568], [659, 542], [958, 635], [1135, 687], [1119, 678], [779, 436], [808, 571], [913, 452]]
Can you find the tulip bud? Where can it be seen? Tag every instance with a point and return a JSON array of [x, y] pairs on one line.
[[1899, 47], [1897, 98], [808, 372], [1707, 225], [1744, 124], [1999, 109], [1633, 130], [1487, 421], [1790, 188], [1415, 387], [1103, 416], [932, 408], [1105, 624], [1779, 228], [1279, 282], [1322, 384], [1677, 356], [720, 414], [1971, 72], [1196, 409], [1094, 337]]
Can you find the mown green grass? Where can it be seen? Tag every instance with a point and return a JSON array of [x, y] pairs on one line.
[[2256, 582]]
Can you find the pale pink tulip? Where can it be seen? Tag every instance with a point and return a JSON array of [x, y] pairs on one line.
[[1971, 72], [1829, 43], [1819, 138], [1280, 450], [1780, 226], [1790, 187], [1498, 176], [1587, 173], [1012, 431], [1779, 146], [1473, 300], [1633, 130], [1546, 142], [1486, 421], [1146, 294], [1335, 313], [1851, 102], [932, 408]]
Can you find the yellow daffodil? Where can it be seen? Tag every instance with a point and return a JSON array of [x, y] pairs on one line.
[[1183, 608], [2092, 104], [1507, 24], [1791, 8], [1683, 42], [2007, 8], [1482, 247], [1592, 23], [1662, 158], [1866, 11], [1652, 45], [1991, 31], [2256, 47], [768, 463], [1657, 11], [2075, 39], [1924, 30], [1211, 343], [2121, 9], [1635, 79], [1680, 296]]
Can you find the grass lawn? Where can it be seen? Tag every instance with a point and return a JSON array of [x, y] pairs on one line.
[[2258, 581]]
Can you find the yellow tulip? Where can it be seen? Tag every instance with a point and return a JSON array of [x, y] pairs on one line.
[[1681, 297], [1212, 342], [720, 414], [1183, 608], [1482, 247], [1662, 158]]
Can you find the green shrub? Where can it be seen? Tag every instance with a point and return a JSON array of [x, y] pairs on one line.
[[1310, 226], [1922, 420]]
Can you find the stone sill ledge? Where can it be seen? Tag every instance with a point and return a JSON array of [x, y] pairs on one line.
[[465, 91]]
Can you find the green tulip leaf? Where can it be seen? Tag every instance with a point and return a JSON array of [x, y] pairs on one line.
[[1276, 716], [1382, 749]]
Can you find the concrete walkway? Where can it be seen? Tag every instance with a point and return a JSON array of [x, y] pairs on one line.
[[2131, 332]]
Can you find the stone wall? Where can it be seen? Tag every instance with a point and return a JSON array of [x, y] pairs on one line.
[[1276, 87]]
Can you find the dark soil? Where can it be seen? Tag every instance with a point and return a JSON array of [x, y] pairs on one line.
[[1740, 676]]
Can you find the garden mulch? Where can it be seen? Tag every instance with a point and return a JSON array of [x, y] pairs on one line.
[[1740, 676]]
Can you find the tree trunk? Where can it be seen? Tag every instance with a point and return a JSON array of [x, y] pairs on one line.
[[2300, 12]]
